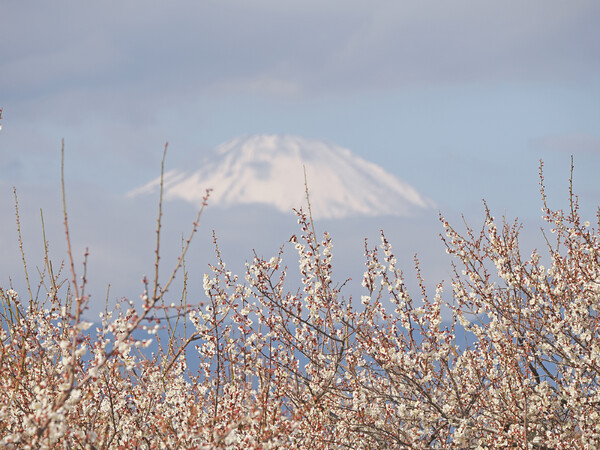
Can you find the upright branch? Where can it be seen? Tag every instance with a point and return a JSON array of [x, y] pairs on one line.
[[155, 292]]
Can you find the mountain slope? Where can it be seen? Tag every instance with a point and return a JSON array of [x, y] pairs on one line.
[[269, 169]]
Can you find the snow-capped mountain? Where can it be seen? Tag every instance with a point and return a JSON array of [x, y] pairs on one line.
[[269, 169]]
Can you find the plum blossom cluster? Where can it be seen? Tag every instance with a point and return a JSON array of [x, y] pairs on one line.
[[510, 357]]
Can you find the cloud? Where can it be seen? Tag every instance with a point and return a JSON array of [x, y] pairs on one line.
[[262, 86], [568, 143], [468, 41], [130, 58], [192, 48]]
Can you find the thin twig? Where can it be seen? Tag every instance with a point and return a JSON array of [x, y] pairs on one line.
[[21, 246]]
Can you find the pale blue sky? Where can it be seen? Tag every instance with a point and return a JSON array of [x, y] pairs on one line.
[[460, 99]]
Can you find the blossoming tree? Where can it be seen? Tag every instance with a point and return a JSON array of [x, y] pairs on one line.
[[311, 367]]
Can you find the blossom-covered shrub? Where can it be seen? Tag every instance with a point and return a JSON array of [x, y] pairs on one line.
[[310, 367]]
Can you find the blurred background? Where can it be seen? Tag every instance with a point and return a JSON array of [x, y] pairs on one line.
[[458, 99]]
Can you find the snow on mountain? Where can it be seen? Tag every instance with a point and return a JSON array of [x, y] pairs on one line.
[[268, 169]]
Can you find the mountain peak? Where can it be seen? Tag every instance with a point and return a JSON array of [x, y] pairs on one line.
[[269, 169]]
